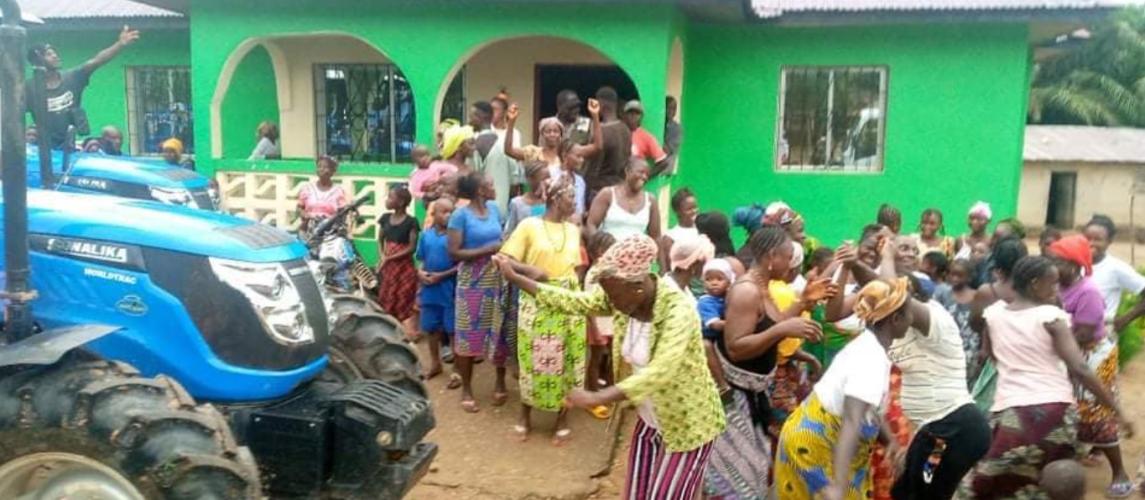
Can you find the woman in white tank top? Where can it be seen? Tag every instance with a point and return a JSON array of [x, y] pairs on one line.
[[625, 209]]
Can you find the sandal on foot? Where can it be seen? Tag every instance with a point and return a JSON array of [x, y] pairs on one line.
[[454, 381], [433, 373], [521, 432], [1121, 489], [601, 412], [561, 437], [470, 406], [499, 398]]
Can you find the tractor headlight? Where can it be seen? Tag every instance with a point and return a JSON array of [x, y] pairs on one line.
[[273, 296], [171, 196]]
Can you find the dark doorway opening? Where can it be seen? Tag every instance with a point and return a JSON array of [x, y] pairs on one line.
[[1063, 194], [585, 79]]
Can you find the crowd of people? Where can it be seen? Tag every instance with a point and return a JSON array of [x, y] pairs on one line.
[[898, 365]]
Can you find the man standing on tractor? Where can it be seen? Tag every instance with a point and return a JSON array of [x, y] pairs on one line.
[[64, 89]]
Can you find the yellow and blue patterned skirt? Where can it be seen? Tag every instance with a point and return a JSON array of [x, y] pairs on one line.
[[803, 466]]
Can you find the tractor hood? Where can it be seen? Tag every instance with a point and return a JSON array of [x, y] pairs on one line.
[[123, 169], [156, 173], [151, 224]]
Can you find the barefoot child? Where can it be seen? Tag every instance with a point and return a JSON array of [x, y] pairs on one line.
[[437, 286], [397, 240]]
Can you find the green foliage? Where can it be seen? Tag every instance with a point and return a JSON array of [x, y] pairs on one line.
[[1132, 338], [1101, 83]]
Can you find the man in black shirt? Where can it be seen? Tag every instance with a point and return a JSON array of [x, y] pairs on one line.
[[607, 167], [64, 89]]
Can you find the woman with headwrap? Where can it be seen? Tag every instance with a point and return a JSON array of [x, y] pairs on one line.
[[457, 147], [978, 220], [1080, 297], [548, 144], [1033, 414], [657, 336], [952, 433], [551, 344], [825, 446]]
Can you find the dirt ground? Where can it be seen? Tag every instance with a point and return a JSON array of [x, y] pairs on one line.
[[481, 460]]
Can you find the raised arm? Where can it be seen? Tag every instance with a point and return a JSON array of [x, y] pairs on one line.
[[591, 150], [510, 150], [126, 37]]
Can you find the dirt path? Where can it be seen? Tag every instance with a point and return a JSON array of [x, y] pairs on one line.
[[1132, 387], [481, 458]]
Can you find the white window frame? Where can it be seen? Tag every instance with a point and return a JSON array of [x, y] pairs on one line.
[[878, 167]]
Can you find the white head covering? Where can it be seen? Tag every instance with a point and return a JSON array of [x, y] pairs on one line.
[[983, 209], [796, 255], [722, 266]]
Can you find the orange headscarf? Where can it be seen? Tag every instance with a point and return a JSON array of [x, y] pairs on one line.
[[1075, 249], [880, 299]]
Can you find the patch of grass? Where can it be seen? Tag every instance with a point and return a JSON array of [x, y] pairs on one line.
[[1132, 338]]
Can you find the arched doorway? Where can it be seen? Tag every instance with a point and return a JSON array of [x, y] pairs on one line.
[[332, 94], [531, 70]]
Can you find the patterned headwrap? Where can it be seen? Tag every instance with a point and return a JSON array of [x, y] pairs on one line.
[[779, 214], [749, 218], [453, 138], [688, 251], [720, 266], [880, 299], [629, 259], [172, 143], [1075, 249], [981, 209]]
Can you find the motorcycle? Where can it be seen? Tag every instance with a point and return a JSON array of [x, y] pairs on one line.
[[337, 264]]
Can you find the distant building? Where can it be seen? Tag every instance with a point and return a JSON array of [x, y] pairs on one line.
[[1073, 172]]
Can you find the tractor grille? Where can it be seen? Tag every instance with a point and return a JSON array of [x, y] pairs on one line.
[[225, 317]]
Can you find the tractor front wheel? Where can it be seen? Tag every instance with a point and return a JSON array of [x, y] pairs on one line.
[[367, 344], [97, 429]]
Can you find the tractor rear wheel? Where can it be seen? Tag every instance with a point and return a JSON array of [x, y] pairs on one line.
[[367, 344], [97, 429]]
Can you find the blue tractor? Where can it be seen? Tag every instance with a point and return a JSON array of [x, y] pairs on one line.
[[154, 351], [125, 176]]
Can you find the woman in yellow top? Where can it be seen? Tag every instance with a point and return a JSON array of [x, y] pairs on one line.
[[551, 345], [656, 333]]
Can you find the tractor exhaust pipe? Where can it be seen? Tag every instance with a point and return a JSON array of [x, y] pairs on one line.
[[15, 173]]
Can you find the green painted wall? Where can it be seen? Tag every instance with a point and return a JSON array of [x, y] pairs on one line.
[[956, 110], [252, 98], [106, 96], [428, 40]]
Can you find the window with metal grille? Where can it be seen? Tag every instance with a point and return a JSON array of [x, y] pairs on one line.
[[365, 112], [159, 108], [831, 119]]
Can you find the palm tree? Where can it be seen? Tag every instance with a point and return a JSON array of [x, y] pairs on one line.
[[1102, 83]]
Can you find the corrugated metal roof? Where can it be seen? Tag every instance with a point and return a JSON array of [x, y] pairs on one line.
[[1077, 143], [777, 8], [93, 9]]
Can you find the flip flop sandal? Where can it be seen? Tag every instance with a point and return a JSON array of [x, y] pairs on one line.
[[470, 406], [600, 412], [522, 432], [454, 381], [499, 398], [1121, 489], [561, 437]]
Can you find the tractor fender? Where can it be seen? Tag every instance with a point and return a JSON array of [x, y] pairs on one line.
[[47, 347]]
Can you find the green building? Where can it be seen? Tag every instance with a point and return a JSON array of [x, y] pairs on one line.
[[834, 107]]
